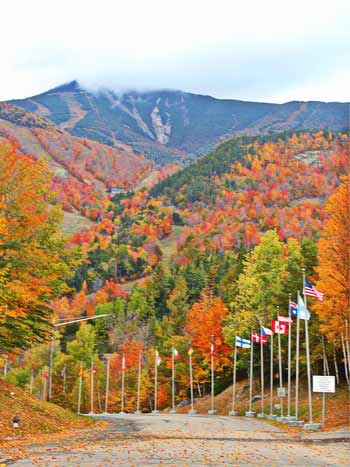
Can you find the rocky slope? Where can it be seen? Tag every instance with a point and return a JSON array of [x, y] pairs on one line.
[[171, 125]]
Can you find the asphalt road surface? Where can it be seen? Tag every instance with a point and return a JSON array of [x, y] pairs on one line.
[[187, 441]]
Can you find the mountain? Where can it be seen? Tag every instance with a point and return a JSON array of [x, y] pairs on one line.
[[84, 169], [168, 125]]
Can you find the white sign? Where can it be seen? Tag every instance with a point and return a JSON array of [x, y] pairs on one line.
[[281, 392], [323, 383]]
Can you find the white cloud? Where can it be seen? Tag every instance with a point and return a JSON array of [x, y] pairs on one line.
[[269, 50]]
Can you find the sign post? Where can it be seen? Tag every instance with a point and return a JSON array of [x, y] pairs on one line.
[[323, 384]]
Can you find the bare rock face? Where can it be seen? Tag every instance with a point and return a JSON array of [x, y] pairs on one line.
[[161, 130]]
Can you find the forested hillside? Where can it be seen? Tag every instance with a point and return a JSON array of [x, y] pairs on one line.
[[83, 169], [252, 215]]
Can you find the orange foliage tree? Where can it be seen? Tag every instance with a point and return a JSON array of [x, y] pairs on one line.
[[334, 263], [204, 324], [32, 270]]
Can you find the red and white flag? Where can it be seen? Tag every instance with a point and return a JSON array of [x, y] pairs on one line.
[[278, 327], [259, 339], [176, 354], [311, 291], [212, 348], [284, 319]]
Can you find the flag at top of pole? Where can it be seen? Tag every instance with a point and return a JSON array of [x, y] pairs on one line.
[[259, 339], [243, 343], [293, 308], [302, 311], [212, 348], [311, 291], [284, 319], [266, 331], [278, 327], [176, 354], [158, 359], [63, 372], [190, 349], [123, 363]]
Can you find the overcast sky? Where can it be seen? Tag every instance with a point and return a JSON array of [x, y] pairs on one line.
[[262, 50]]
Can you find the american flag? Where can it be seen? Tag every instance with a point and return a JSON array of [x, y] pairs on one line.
[[311, 291]]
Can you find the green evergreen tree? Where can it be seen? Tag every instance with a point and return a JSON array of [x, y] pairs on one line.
[[178, 306]]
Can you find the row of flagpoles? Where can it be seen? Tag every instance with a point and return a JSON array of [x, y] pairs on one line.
[[280, 326]]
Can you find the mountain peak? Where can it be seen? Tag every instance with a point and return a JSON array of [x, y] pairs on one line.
[[71, 86]]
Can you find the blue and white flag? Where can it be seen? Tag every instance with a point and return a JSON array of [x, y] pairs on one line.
[[302, 311], [244, 343], [266, 331], [293, 308]]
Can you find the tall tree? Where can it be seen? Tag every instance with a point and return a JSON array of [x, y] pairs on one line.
[[32, 254], [178, 305], [260, 284], [334, 263]]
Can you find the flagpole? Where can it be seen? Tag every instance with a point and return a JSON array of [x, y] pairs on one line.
[[173, 410], [280, 370], [262, 414], [155, 383], [289, 356], [310, 425], [92, 388], [347, 343], [345, 360], [250, 412], [80, 387], [212, 411], [335, 364], [192, 411], [51, 350], [44, 395], [107, 383], [64, 381], [272, 416], [233, 412], [138, 411], [123, 387], [297, 366], [308, 366]]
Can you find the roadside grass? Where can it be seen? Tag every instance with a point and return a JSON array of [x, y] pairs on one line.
[[37, 417]]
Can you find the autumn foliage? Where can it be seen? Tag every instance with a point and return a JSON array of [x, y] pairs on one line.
[[334, 263], [31, 267], [204, 325]]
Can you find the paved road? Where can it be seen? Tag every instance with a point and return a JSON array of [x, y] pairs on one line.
[[184, 441]]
